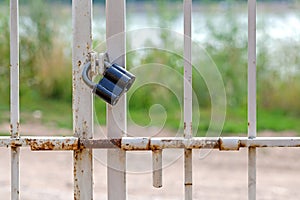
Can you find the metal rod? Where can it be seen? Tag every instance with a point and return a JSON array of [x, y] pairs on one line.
[[147, 143], [252, 97], [252, 173], [222, 143], [41, 143], [187, 70], [187, 9], [157, 168], [14, 97], [188, 173], [82, 99], [15, 173], [252, 68], [116, 116]]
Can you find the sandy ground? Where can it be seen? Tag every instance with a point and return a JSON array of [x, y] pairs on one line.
[[216, 175]]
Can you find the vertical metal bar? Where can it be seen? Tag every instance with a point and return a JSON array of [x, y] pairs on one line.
[[14, 96], [82, 99], [187, 9], [116, 116], [157, 168], [252, 173], [252, 97], [188, 167]]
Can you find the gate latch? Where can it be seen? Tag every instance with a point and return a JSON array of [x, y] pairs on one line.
[[115, 79]]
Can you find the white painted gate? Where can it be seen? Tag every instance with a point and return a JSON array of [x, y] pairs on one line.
[[118, 143]]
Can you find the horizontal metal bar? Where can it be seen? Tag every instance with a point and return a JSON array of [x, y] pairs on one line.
[[41, 143], [148, 143], [101, 143], [222, 143], [270, 142]]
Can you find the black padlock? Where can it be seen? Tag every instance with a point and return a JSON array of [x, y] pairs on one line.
[[117, 77], [127, 73], [105, 94], [114, 83], [115, 89]]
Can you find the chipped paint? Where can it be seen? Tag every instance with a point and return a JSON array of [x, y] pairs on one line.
[[82, 102], [229, 144], [139, 143], [223, 143], [101, 143], [41, 143], [157, 168], [53, 145], [143, 143]]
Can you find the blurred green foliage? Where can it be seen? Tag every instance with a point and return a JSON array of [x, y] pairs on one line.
[[46, 79]]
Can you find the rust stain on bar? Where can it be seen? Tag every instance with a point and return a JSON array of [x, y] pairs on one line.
[[101, 143], [38, 145], [116, 142], [41, 146], [229, 144], [141, 143], [14, 144]]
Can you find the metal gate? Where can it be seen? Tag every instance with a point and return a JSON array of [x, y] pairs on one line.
[[117, 142]]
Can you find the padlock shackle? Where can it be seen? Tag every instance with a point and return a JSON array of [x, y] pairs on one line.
[[107, 64], [85, 76]]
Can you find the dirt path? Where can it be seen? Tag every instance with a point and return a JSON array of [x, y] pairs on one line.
[[218, 175]]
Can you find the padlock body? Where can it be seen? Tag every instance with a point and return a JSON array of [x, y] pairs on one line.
[[127, 73], [105, 94], [123, 70], [117, 77], [115, 89]]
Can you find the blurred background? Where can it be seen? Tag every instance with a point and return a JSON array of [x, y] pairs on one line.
[[220, 27]]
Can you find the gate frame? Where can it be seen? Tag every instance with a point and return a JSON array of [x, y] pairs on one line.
[[82, 143]]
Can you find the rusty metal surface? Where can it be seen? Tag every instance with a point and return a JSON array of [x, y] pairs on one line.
[[157, 168], [222, 143], [82, 105], [229, 144], [70, 143], [188, 174], [14, 98], [101, 143], [261, 142], [138, 143], [147, 143], [41, 143]]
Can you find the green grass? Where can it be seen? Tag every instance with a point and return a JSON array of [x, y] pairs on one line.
[[142, 118], [59, 114], [4, 134], [53, 113], [235, 122], [277, 121]]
